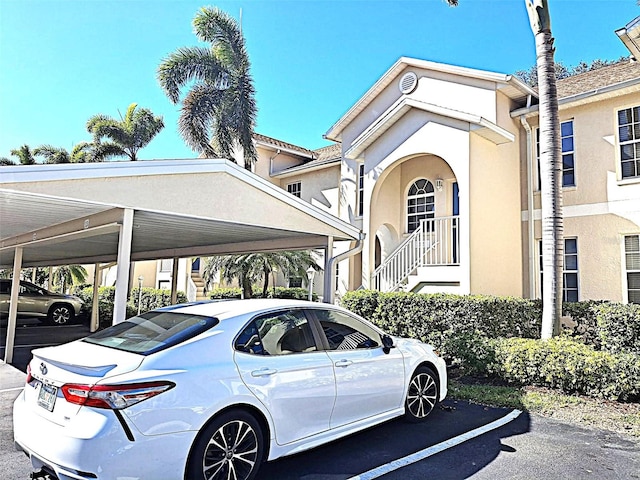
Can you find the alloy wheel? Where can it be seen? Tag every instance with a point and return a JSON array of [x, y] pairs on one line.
[[422, 396], [232, 452]]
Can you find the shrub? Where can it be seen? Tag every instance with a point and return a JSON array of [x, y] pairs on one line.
[[619, 327], [583, 314], [280, 292], [151, 299], [568, 365], [459, 326]]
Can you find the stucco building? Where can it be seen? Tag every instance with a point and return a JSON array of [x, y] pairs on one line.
[[437, 165]]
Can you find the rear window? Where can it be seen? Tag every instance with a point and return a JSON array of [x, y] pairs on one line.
[[151, 332]]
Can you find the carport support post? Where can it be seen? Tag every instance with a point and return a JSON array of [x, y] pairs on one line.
[[122, 268], [329, 272], [13, 307], [174, 281], [95, 305]]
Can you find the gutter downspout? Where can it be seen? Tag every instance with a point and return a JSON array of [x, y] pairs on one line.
[[271, 162], [530, 213], [329, 293]]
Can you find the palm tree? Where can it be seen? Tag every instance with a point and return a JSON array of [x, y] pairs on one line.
[[550, 166], [68, 275], [250, 267], [25, 155], [53, 154], [127, 135], [219, 110]]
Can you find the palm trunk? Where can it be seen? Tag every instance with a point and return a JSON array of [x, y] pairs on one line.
[[550, 170]]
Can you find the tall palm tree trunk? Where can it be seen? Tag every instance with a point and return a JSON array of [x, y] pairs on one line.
[[550, 169]]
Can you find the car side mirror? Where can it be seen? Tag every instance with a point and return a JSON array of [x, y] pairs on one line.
[[387, 343]]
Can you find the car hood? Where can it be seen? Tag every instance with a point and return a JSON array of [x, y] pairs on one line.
[[82, 362]]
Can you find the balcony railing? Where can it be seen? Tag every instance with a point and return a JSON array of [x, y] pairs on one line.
[[436, 242]]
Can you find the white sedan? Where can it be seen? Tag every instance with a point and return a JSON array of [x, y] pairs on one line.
[[211, 390]]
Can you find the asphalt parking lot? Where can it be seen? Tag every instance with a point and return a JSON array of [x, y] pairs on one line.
[[460, 440]]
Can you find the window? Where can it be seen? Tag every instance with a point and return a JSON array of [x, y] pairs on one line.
[[569, 270], [344, 332], [280, 333], [568, 159], [166, 265], [294, 189], [629, 138], [632, 262], [421, 204], [360, 192], [152, 331]]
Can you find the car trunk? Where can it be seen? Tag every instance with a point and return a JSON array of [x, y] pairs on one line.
[[73, 363]]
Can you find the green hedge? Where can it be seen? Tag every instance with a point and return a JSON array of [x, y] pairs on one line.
[[151, 299], [619, 327], [280, 292], [456, 325], [568, 365]]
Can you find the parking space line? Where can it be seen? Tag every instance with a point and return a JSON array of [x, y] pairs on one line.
[[11, 389], [427, 452]]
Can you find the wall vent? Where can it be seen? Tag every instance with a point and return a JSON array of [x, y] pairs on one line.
[[408, 83]]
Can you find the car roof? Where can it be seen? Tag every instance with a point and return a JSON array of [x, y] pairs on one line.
[[222, 309]]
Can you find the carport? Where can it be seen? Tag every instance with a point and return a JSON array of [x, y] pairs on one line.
[[125, 212]]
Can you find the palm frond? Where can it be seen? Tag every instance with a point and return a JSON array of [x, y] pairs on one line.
[[184, 66]]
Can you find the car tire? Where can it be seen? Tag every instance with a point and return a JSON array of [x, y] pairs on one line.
[[231, 446], [422, 396], [60, 314]]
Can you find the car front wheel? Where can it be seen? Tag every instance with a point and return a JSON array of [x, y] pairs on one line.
[[231, 447], [60, 314], [422, 396]]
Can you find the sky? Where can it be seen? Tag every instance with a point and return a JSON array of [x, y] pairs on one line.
[[62, 61]]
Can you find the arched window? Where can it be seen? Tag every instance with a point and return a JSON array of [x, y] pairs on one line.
[[421, 203]]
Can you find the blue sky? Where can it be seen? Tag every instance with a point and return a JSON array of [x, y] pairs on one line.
[[66, 60]]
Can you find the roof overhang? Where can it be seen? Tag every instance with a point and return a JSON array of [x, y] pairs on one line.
[[596, 95], [478, 125], [170, 217], [508, 84], [630, 36]]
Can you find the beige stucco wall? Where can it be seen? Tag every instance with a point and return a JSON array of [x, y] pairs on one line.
[[600, 209], [495, 239]]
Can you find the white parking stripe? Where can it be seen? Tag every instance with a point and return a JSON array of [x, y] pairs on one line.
[[11, 389], [427, 452]]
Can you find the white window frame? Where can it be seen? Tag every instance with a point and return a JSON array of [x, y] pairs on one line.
[[360, 191], [564, 153], [295, 189], [634, 141], [565, 271], [625, 263], [427, 215]]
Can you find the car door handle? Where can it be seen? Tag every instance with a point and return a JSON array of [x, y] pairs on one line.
[[263, 372], [343, 363]]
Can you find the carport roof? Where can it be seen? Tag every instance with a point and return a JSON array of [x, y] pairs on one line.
[[72, 214]]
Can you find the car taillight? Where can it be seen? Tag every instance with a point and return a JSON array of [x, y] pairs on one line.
[[29, 377], [115, 397]]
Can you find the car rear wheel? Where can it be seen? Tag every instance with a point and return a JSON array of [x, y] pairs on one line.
[[422, 396], [60, 314], [231, 447]]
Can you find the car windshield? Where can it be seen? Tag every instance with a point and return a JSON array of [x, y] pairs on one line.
[[151, 332]]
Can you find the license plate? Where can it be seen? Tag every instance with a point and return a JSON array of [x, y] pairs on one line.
[[47, 396]]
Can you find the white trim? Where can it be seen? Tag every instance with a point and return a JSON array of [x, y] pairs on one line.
[[334, 133], [483, 127], [588, 209]]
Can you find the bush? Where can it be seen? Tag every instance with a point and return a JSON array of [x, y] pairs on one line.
[[568, 365], [151, 299], [619, 327], [583, 314], [280, 292], [459, 326]]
